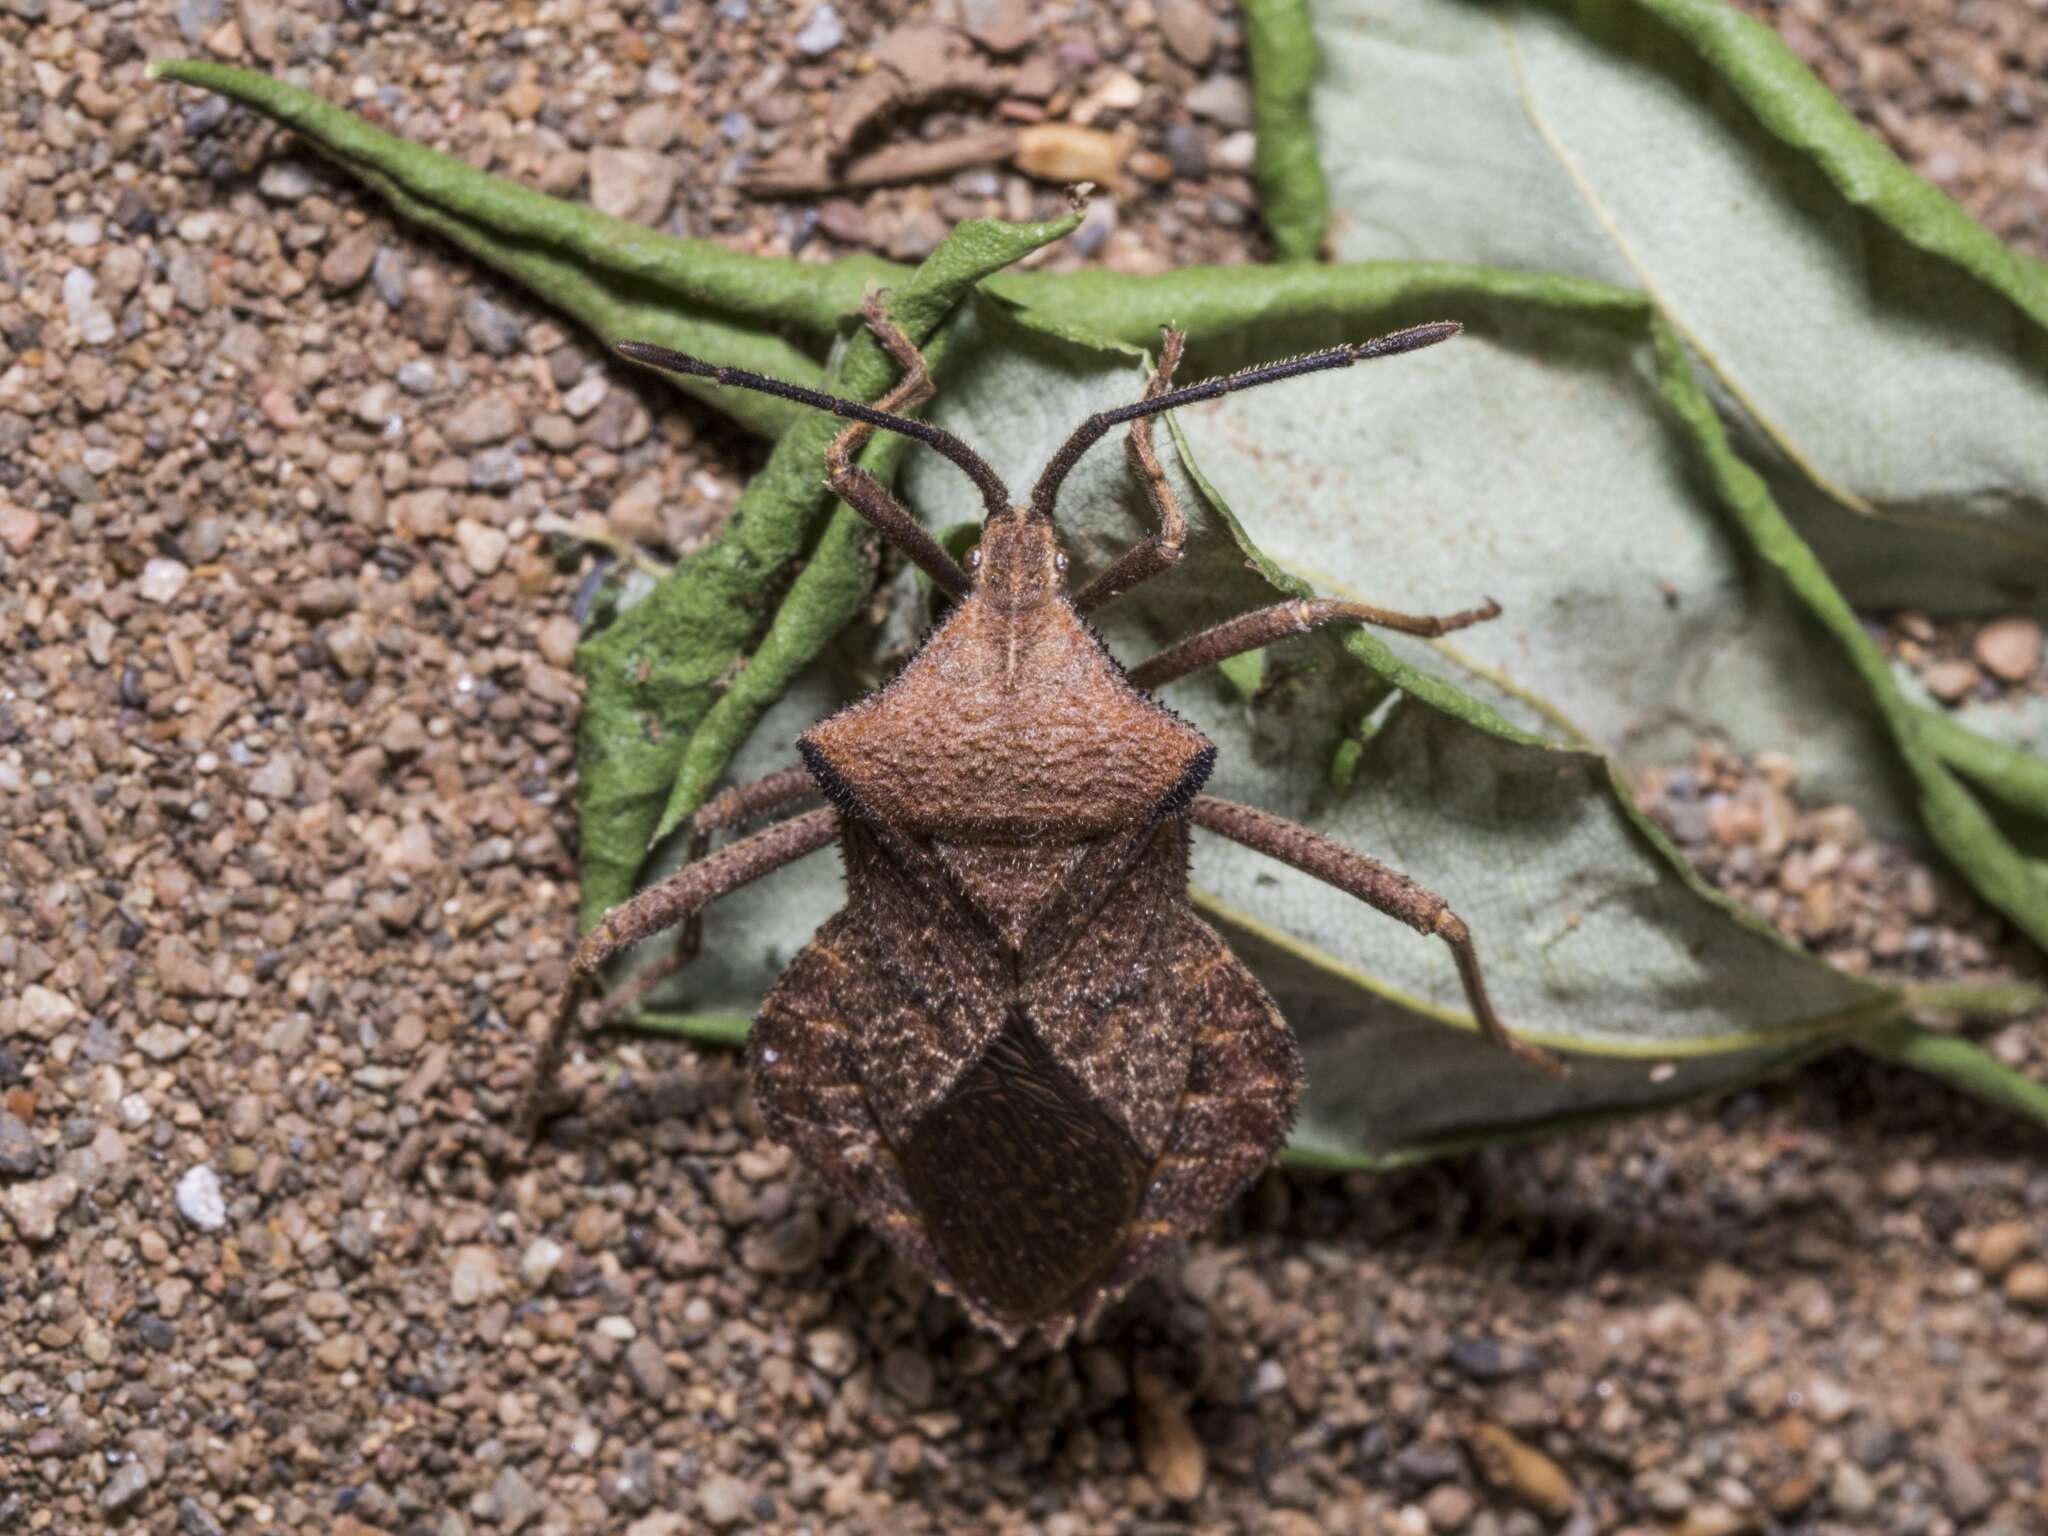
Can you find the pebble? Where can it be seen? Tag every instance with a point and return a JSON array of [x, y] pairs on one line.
[[1001, 26], [483, 547], [2009, 649], [495, 469], [790, 1247], [650, 1372], [162, 579], [387, 276], [348, 261], [18, 528], [1968, 1491], [1950, 681], [19, 1153], [473, 1275], [491, 326], [196, 18], [1223, 99], [1851, 1491], [587, 396], [163, 1042], [1189, 27], [35, 1207], [45, 1012], [557, 639], [832, 1350], [2027, 1284], [1450, 1508], [2002, 1245], [128, 1484], [632, 184], [1517, 1467], [516, 1502], [1237, 151], [349, 648], [485, 420], [908, 1374], [821, 33], [199, 1198], [286, 181], [723, 1500], [429, 307]]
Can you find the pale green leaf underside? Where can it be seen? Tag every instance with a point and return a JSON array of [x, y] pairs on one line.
[[1596, 940], [1882, 357]]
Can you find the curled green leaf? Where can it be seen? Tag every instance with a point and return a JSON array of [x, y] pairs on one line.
[[1294, 199]]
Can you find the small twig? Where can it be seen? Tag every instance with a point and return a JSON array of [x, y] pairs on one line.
[[591, 531]]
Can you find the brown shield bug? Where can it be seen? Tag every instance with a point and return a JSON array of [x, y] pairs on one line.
[[1017, 1050]]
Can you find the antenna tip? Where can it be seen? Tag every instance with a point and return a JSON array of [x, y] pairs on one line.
[[663, 358], [1412, 339]]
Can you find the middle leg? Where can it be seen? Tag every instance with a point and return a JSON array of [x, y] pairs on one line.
[[1262, 626], [730, 808], [688, 891], [1378, 886]]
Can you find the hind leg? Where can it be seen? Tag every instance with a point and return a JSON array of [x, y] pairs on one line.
[[1243, 1085]]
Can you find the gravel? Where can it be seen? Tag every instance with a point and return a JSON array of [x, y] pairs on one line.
[[287, 715]]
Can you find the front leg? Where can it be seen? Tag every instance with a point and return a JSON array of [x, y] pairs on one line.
[[1262, 626], [1376, 885], [861, 490], [675, 900]]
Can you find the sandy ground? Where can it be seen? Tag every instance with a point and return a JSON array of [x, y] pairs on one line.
[[286, 784]]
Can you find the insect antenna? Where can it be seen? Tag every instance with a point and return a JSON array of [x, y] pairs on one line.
[[1046, 492], [993, 492]]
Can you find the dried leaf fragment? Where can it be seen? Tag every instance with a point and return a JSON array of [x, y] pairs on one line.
[[1167, 1444], [1063, 153], [1514, 1466]]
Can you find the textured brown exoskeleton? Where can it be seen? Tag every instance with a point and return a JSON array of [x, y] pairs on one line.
[[1017, 1050]]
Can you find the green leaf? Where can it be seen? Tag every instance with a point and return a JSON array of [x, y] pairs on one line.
[[1597, 938], [1875, 360], [671, 690], [1293, 196]]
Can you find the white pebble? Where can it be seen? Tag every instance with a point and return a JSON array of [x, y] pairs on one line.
[[163, 579], [539, 1261], [80, 288], [200, 1200], [822, 33]]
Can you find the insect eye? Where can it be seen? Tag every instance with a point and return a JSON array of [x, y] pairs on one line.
[[974, 558], [1059, 561]]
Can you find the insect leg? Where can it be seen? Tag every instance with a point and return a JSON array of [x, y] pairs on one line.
[[1262, 626], [733, 807], [1149, 557], [861, 490], [1377, 886], [678, 898]]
